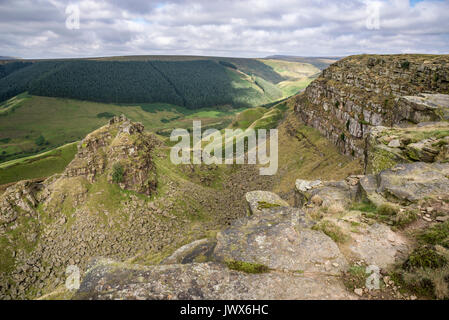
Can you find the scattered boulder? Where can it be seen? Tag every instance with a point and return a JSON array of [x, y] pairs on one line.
[[328, 192], [395, 143], [260, 200]]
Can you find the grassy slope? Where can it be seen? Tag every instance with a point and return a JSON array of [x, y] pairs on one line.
[[38, 166]]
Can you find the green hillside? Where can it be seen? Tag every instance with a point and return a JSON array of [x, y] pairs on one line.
[[191, 84], [38, 166]]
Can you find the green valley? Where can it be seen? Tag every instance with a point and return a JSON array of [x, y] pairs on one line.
[[49, 103]]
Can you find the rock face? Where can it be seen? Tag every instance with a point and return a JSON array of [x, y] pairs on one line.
[[18, 199], [111, 280], [359, 92]]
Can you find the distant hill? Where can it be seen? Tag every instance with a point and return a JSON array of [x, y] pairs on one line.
[[319, 62], [187, 81], [8, 58]]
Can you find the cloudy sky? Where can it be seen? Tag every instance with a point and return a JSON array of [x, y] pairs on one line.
[[255, 28]]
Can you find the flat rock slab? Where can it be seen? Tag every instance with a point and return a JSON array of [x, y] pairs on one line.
[[279, 240], [257, 200], [379, 245], [415, 181], [110, 280], [432, 101]]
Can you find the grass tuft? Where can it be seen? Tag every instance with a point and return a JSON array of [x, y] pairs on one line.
[[332, 230], [247, 267]]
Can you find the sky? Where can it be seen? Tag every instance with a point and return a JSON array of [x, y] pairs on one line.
[[231, 28]]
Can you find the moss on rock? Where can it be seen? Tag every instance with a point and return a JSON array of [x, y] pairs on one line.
[[247, 267]]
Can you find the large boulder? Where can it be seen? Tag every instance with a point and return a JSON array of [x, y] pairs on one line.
[[327, 192], [406, 183], [107, 279], [423, 107], [280, 238]]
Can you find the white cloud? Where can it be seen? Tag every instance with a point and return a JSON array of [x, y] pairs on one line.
[[36, 29]]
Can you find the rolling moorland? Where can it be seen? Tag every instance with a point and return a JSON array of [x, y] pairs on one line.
[[363, 180]]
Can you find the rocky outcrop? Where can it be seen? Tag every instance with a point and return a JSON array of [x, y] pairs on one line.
[[404, 183], [300, 264], [425, 142], [122, 150], [359, 92], [291, 252], [69, 218]]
